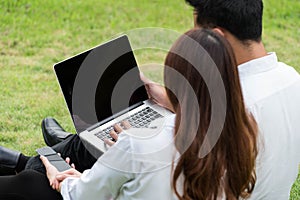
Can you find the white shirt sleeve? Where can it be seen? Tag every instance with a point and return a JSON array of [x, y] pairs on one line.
[[120, 171], [100, 182], [104, 180]]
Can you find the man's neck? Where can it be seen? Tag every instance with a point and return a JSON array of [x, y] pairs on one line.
[[245, 53]]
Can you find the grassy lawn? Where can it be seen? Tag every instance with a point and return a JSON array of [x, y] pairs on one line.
[[35, 34]]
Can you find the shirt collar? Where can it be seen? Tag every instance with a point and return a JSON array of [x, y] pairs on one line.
[[258, 65]]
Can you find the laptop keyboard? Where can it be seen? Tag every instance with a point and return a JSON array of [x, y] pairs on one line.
[[141, 119]]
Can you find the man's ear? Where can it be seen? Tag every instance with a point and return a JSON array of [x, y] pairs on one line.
[[219, 30]]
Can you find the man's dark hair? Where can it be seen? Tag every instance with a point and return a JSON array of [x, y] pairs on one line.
[[242, 18]]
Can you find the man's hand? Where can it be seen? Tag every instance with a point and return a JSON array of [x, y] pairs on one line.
[[157, 93]]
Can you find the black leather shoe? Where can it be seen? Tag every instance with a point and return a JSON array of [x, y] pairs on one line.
[[8, 161], [53, 133]]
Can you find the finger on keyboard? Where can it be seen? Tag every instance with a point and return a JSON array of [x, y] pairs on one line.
[[118, 128], [114, 135], [109, 142], [125, 124]]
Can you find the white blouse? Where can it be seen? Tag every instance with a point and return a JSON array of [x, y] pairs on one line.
[[134, 168]]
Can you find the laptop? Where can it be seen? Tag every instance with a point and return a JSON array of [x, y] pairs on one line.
[[102, 87]]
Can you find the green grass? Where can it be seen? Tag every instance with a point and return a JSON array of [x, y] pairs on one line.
[[282, 30], [35, 34]]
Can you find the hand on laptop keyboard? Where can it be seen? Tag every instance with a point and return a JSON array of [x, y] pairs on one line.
[[117, 128], [140, 119]]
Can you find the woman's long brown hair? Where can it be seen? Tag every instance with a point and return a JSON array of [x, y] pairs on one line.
[[228, 170]]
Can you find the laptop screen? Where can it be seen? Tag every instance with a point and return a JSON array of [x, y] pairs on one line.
[[100, 82]]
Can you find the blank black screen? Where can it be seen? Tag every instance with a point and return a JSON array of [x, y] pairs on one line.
[[103, 66]]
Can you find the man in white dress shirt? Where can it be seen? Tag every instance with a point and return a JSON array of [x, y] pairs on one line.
[[271, 91]]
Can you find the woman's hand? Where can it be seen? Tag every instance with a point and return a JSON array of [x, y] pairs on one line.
[[156, 93], [51, 173], [114, 133], [55, 177], [68, 173]]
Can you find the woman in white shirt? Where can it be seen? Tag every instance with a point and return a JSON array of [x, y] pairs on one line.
[[206, 151]]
